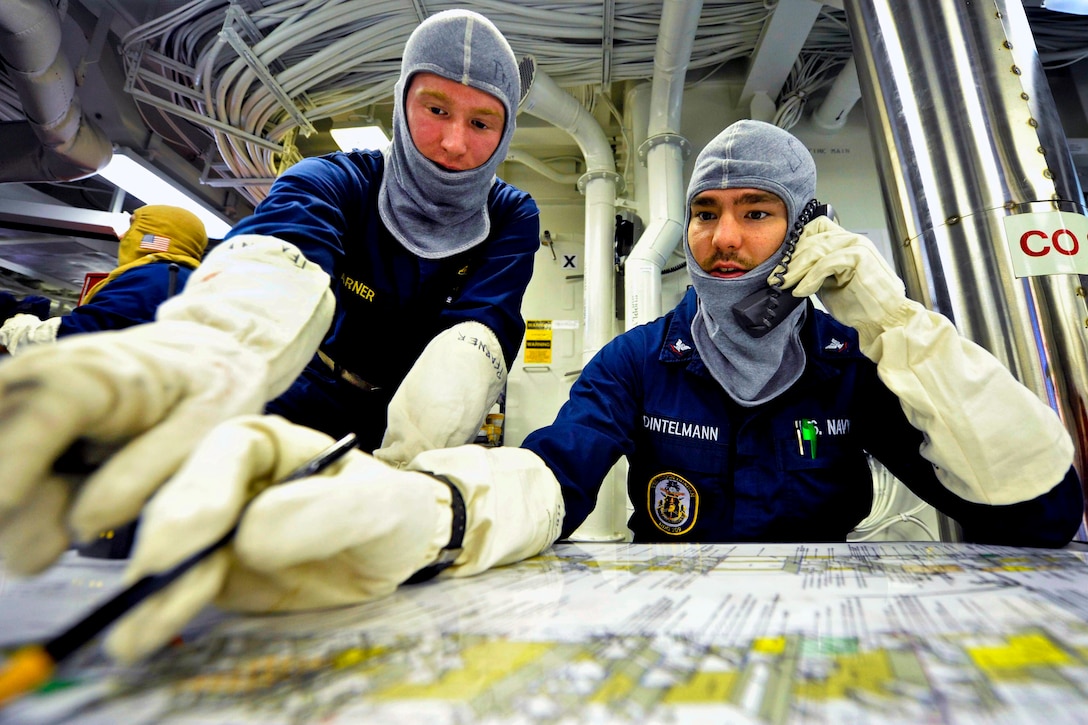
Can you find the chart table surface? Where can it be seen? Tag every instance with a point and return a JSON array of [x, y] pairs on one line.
[[615, 633]]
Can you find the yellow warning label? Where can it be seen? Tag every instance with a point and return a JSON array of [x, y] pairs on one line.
[[538, 342]]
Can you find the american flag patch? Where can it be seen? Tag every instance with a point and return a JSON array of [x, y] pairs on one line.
[[155, 242]]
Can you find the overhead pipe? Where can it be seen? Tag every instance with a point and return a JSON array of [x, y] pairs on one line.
[[56, 142], [664, 152], [543, 98], [636, 112], [844, 94], [542, 168], [966, 133]]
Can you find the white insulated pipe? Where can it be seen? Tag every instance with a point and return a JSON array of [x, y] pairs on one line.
[[664, 152], [598, 295], [844, 94], [636, 110], [57, 142], [547, 101], [537, 165]]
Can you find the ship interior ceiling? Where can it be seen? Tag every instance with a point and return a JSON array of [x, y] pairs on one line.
[[170, 80]]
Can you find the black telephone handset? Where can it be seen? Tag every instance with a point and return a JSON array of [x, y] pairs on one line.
[[761, 311]]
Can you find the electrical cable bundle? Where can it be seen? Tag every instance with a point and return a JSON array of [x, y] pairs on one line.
[[329, 57]]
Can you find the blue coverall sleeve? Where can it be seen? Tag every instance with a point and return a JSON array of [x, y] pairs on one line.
[[1050, 520], [594, 427], [130, 299], [307, 207]]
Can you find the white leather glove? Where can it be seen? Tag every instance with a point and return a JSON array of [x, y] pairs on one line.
[[248, 321], [446, 396], [991, 439], [348, 534], [20, 332]]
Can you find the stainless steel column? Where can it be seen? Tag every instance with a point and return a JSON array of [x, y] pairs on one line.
[[966, 132]]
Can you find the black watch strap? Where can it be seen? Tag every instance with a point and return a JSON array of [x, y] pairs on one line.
[[452, 550]]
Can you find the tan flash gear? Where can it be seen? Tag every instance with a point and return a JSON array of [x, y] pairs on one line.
[[158, 233]]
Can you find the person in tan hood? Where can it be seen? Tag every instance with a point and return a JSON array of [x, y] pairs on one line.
[[156, 255]]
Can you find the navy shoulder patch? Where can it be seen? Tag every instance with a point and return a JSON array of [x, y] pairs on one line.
[[679, 348], [836, 345]]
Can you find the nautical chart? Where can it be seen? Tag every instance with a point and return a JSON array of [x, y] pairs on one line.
[[618, 633]]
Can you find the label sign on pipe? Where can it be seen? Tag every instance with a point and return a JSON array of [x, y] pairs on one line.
[[1052, 242], [538, 342]]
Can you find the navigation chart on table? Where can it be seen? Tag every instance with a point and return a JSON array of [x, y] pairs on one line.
[[618, 633]]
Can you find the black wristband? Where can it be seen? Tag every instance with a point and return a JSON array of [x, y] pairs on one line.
[[452, 550]]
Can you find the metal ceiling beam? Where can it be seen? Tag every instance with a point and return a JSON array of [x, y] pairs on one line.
[[779, 44], [55, 217]]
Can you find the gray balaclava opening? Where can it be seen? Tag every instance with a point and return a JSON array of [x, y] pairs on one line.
[[434, 212], [749, 155]]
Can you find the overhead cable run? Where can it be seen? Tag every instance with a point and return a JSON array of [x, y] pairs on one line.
[[307, 62], [331, 58]]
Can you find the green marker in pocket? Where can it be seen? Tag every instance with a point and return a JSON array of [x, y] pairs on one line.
[[807, 430]]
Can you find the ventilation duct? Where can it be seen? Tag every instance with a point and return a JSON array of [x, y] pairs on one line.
[[664, 152], [56, 142], [966, 133]]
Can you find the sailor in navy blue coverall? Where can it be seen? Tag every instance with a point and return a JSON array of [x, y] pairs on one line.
[[730, 437], [129, 300], [390, 302], [419, 239], [730, 473]]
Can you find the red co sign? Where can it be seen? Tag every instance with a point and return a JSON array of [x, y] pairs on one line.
[[1036, 243], [1042, 243]]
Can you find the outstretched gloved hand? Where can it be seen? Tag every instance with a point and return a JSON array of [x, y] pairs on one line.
[[145, 385], [245, 325], [443, 400], [350, 533], [955, 392], [21, 331]]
